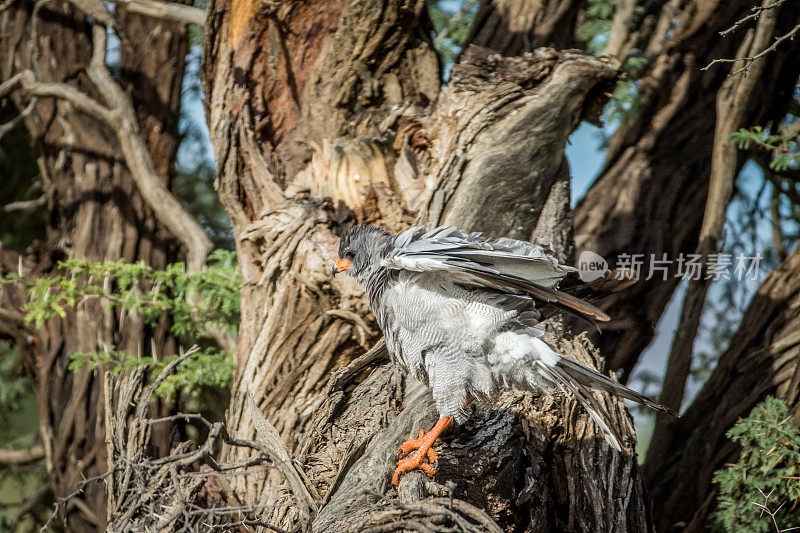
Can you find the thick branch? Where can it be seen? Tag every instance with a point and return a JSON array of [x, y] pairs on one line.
[[165, 10], [21, 457]]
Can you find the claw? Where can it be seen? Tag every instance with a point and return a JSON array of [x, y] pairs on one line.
[[410, 445], [415, 461], [424, 450]]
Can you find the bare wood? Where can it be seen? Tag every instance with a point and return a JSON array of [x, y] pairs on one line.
[[165, 10], [120, 116], [23, 205], [652, 181], [21, 457], [512, 27], [96, 213], [337, 427], [163, 203]]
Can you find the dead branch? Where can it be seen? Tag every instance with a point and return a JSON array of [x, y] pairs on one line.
[[21, 457], [165, 10], [746, 61], [23, 205], [118, 115], [16, 121], [273, 446], [174, 492]]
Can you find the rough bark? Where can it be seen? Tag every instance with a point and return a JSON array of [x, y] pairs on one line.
[[317, 124], [512, 27], [95, 213], [762, 359], [650, 197]]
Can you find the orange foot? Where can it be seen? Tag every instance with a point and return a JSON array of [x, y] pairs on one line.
[[424, 450]]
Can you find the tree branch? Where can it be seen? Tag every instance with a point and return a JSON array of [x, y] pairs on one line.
[[118, 114], [152, 188], [165, 10], [21, 457], [732, 103], [23, 205]]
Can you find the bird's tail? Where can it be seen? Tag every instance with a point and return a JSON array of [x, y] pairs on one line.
[[578, 380]]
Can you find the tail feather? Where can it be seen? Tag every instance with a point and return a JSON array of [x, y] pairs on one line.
[[596, 380], [579, 381], [596, 411]]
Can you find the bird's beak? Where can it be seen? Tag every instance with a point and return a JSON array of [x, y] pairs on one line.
[[341, 265]]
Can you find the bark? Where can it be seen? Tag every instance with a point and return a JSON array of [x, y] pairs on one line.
[[650, 197], [315, 124], [96, 213], [762, 359], [512, 27]]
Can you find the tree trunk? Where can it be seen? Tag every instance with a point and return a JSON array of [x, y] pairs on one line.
[[95, 213], [315, 124], [762, 360], [650, 197]]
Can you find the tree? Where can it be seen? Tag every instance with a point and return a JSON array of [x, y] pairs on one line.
[[332, 111], [326, 113], [54, 64], [352, 111]]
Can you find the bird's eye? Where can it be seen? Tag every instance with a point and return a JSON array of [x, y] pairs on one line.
[[350, 256]]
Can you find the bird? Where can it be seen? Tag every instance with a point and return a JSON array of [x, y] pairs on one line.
[[461, 313]]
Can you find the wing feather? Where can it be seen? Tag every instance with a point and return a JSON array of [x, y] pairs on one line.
[[506, 264]]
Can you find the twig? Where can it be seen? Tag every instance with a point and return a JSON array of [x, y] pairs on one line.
[[756, 11], [16, 121], [759, 11]]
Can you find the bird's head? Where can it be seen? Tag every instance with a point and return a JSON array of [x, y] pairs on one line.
[[361, 250]]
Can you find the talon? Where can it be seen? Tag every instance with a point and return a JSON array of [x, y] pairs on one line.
[[424, 450], [410, 445], [414, 462]]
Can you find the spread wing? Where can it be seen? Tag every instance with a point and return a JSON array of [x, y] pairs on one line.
[[505, 264]]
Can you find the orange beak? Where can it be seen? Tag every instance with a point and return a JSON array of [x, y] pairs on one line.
[[341, 265]]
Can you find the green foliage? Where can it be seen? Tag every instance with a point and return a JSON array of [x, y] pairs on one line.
[[208, 367], [594, 31], [194, 302], [761, 492], [783, 145], [196, 306]]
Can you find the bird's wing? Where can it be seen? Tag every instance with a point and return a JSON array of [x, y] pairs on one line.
[[505, 264]]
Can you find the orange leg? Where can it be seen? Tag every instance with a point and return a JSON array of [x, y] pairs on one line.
[[423, 446]]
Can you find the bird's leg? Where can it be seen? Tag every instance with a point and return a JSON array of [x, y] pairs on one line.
[[423, 446]]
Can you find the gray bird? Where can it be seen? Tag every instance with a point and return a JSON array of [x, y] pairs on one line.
[[459, 313]]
